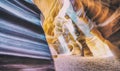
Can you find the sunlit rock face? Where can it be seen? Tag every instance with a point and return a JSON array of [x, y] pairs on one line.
[[83, 25]]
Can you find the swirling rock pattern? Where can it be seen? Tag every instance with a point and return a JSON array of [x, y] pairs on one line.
[[21, 33]]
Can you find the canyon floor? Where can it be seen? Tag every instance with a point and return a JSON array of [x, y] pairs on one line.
[[62, 63], [78, 63]]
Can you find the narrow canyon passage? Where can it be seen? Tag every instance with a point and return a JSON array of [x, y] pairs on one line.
[[59, 35]]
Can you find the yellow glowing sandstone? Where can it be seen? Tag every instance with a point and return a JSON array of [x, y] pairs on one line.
[[99, 12]]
